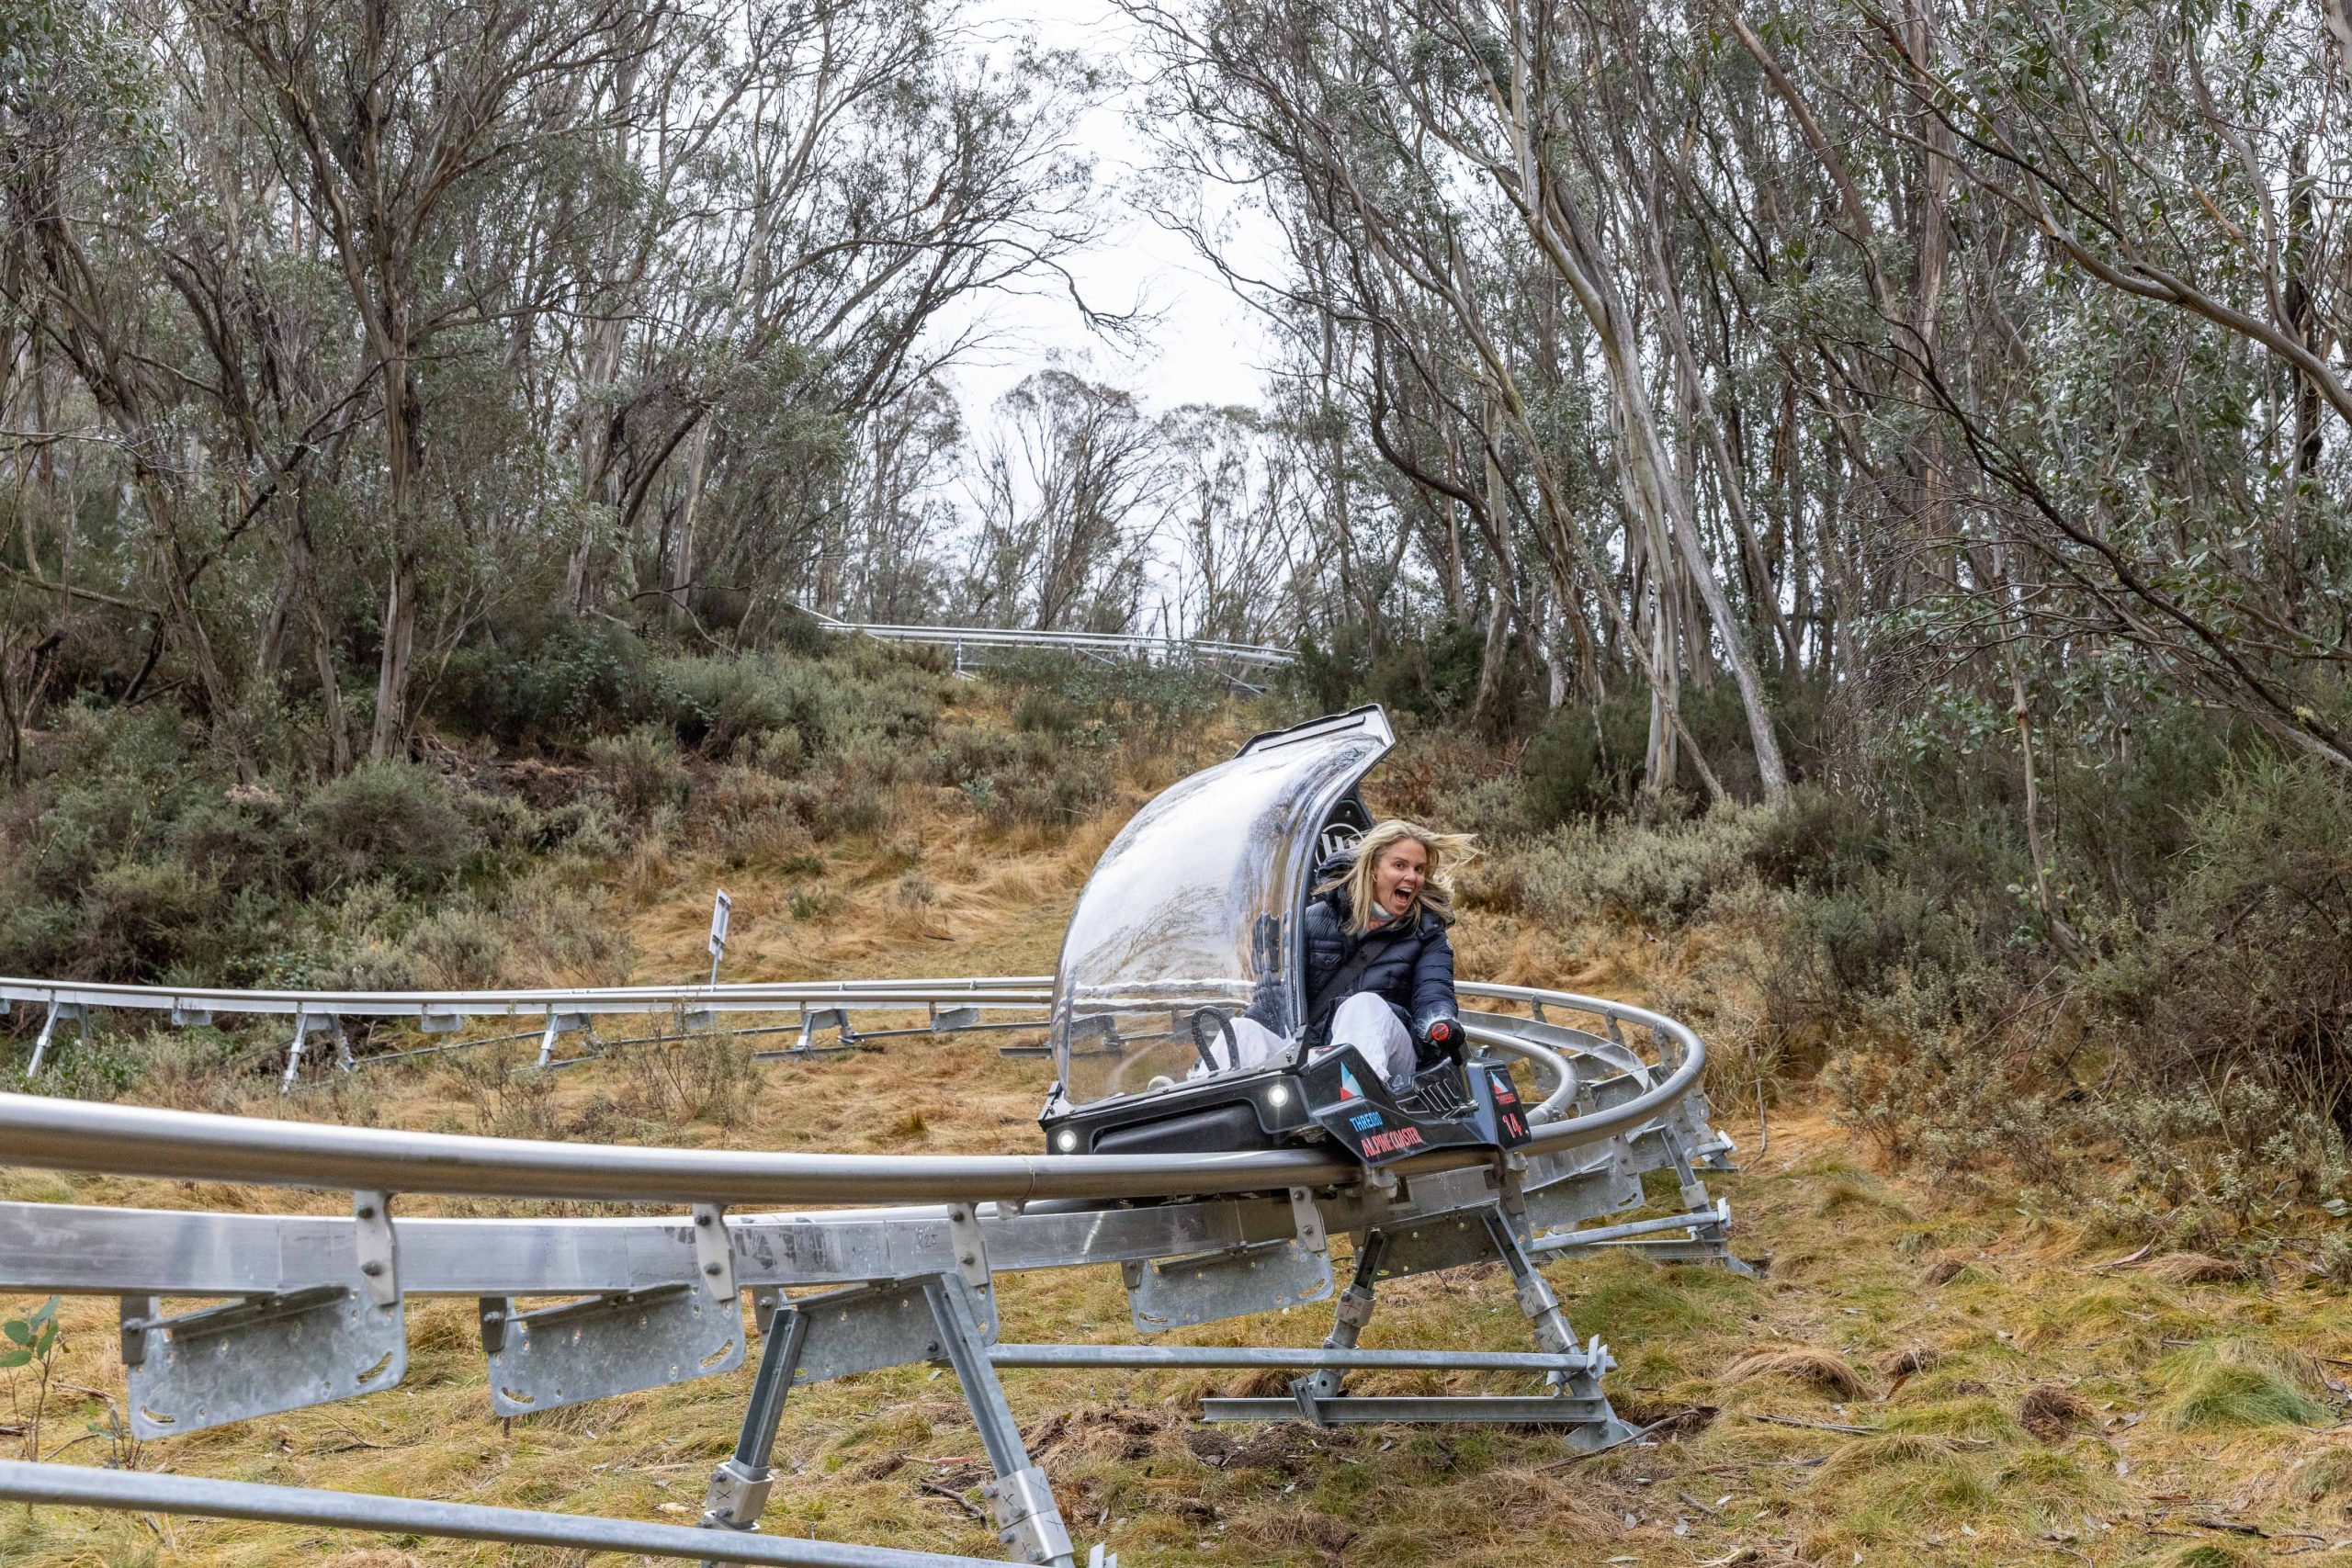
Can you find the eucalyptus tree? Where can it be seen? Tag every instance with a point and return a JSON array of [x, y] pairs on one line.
[[1069, 493], [394, 320]]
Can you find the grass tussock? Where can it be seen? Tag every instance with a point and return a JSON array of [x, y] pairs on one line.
[[1819, 1369], [1885, 1449], [2242, 1383], [2197, 1269], [2205, 1555], [1846, 1194], [1909, 1362]]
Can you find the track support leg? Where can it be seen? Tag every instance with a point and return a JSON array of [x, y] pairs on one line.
[[738, 1487], [1348, 1322], [1540, 1307], [1027, 1520]]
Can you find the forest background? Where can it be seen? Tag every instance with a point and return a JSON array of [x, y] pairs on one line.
[[1869, 477]]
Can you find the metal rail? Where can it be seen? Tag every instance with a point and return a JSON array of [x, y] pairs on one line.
[[1132, 643], [74, 1485], [194, 1145]]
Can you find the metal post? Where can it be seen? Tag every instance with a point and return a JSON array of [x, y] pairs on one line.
[[738, 1487], [1027, 1520], [294, 1051], [41, 1047], [1553, 1334], [1349, 1319]]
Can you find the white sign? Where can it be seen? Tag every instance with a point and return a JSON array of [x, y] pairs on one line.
[[720, 908]]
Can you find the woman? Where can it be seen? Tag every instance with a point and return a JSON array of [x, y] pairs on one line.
[[1379, 971]]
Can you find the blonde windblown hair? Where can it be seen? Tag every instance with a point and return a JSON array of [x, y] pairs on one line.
[[1447, 852]]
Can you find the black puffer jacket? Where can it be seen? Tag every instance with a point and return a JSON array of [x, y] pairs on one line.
[[1412, 973]]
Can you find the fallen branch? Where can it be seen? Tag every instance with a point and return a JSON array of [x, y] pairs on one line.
[[937, 1490], [1635, 1435], [1845, 1426]]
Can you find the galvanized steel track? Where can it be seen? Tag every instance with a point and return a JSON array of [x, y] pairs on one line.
[[1233, 1227]]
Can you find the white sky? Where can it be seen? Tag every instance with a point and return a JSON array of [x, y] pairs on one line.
[[1207, 346]]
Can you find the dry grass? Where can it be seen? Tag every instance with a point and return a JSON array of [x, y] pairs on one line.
[[1819, 1369], [1909, 1362], [2196, 1268]]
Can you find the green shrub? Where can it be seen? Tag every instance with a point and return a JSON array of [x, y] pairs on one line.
[[716, 704], [386, 819], [141, 918], [554, 680], [642, 769], [1656, 876], [1579, 762]]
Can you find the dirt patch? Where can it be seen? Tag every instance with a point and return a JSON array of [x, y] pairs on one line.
[[1125, 1434], [2051, 1413], [1284, 1449]]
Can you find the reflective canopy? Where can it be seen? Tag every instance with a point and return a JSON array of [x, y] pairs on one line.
[[1195, 905]]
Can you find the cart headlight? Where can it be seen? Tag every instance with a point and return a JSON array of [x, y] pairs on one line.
[[1065, 1139], [1278, 1095]]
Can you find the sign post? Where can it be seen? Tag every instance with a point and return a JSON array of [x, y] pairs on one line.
[[720, 908]]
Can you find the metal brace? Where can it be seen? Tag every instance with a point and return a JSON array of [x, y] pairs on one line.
[[139, 1315], [492, 1311], [189, 1015], [564, 1023], [971, 1247], [972, 1259], [1511, 1182], [378, 1247], [1309, 1220], [715, 1250], [59, 1012], [307, 1023], [835, 1019]]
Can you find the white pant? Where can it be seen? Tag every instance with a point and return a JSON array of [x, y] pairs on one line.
[[1362, 1020]]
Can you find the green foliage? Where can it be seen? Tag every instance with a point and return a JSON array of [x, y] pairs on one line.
[[548, 679], [394, 820], [1025, 776], [30, 1339], [642, 769], [1139, 705], [1657, 876], [1580, 763], [2228, 1384]]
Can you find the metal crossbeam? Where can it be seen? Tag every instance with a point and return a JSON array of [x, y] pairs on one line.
[[79, 1486]]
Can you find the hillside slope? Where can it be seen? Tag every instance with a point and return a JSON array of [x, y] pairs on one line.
[[1910, 1381]]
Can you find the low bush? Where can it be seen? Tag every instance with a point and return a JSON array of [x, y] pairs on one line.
[[1657, 876], [642, 769], [389, 819]]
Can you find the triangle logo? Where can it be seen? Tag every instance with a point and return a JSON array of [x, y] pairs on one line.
[[1348, 1090]]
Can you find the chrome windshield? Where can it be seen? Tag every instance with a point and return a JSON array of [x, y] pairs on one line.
[[1195, 905]]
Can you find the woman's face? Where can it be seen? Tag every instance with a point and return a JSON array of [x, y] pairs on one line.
[[1396, 877]]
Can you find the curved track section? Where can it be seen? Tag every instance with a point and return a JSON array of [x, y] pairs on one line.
[[313, 1308]]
